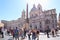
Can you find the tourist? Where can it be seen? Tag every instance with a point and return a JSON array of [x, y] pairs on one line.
[[56, 31], [8, 31], [1, 32], [33, 34], [47, 31], [16, 33], [29, 34], [21, 34], [53, 32], [25, 31], [37, 35], [12, 32]]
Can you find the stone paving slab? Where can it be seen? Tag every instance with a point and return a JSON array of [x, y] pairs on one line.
[[42, 36]]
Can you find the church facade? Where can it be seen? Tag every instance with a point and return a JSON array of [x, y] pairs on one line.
[[37, 19]]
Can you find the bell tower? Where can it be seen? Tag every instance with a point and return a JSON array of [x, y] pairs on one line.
[[23, 14]]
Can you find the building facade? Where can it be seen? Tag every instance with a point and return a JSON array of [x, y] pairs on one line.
[[58, 21], [37, 18]]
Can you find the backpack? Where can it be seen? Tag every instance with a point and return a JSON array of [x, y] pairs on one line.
[[16, 31]]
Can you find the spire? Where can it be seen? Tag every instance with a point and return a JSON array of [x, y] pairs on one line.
[[39, 7]]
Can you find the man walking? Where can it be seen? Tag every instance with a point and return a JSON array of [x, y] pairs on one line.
[[16, 33], [1, 32], [47, 31]]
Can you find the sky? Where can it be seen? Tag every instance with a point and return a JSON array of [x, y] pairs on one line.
[[12, 9]]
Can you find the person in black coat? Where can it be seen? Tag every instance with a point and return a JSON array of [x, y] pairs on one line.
[[37, 34], [47, 31], [29, 34], [1, 32]]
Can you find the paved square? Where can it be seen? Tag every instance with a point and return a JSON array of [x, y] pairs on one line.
[[41, 37]]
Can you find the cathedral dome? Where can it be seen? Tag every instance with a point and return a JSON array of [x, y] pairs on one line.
[[34, 8], [39, 7]]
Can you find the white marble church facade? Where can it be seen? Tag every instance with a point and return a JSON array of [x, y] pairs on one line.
[[42, 19], [37, 19]]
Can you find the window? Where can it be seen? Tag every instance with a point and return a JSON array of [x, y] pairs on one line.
[[47, 21], [52, 21], [34, 16], [35, 26], [39, 8], [30, 26], [19, 25], [53, 25], [40, 25]]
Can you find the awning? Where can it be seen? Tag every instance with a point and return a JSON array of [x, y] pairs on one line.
[[1, 25]]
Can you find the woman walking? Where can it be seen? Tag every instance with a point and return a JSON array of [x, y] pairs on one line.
[[37, 35], [53, 32], [33, 34], [29, 34]]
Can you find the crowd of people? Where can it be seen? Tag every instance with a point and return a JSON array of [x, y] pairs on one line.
[[16, 33]]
